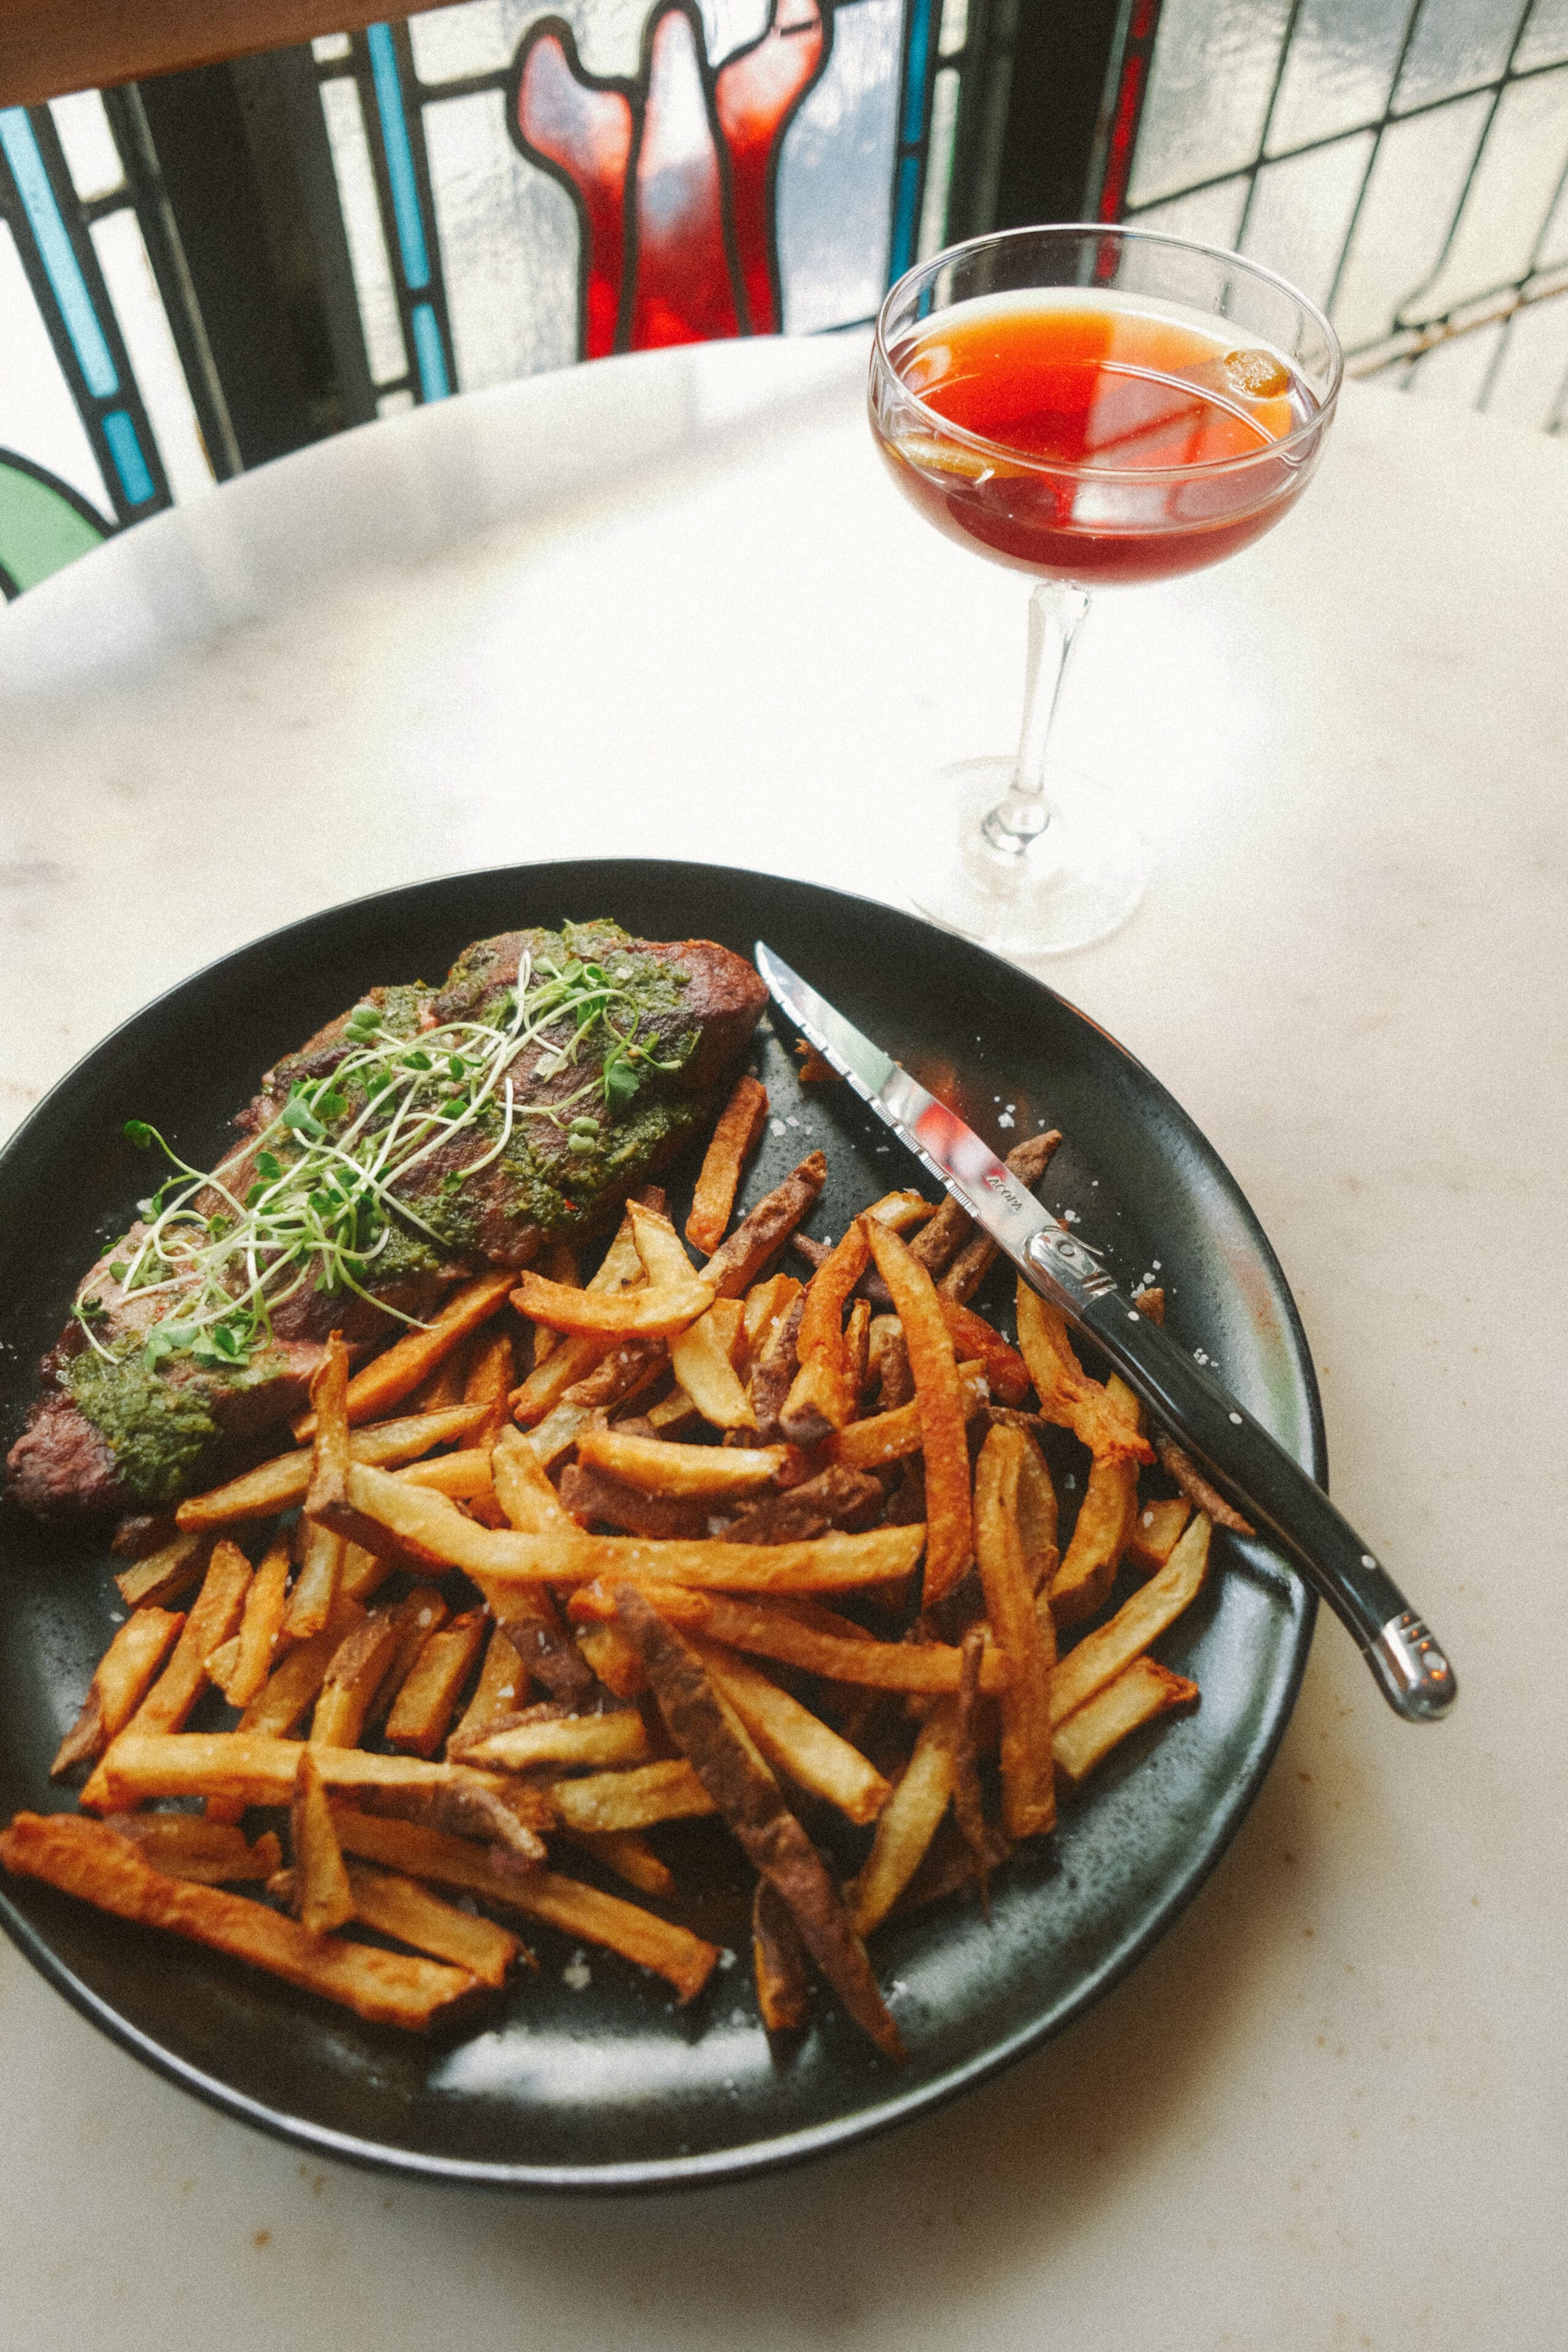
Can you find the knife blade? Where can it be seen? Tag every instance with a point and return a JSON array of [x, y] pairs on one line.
[[1412, 1670]]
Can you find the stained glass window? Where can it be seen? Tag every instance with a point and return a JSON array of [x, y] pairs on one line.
[[1405, 162], [500, 186], [514, 186], [523, 185]]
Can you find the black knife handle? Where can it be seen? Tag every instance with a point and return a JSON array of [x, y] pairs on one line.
[[1276, 1494]]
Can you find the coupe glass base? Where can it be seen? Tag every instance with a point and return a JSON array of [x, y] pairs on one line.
[[1078, 882]]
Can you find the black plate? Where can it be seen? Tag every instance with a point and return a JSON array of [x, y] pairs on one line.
[[610, 2085]]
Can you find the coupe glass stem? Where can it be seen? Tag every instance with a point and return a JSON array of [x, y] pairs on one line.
[[1056, 615]]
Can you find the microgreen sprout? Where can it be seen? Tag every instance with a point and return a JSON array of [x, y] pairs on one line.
[[323, 1180]]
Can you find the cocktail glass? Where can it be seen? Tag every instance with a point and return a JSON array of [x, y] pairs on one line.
[[1098, 407]]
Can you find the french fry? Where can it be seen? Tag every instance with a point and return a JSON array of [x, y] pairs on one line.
[[673, 1296], [887, 1363], [464, 1477], [1197, 1490], [765, 1303], [938, 1243], [823, 1395], [633, 1799], [320, 1896], [187, 1845], [391, 1376], [973, 1261], [1023, 1634], [87, 1859], [835, 1498], [773, 1373], [1068, 1396], [399, 1907], [166, 1574], [628, 1853], [600, 1739], [672, 1413], [1102, 1654], [630, 1366], [1036, 1513], [213, 1616], [571, 1360], [793, 1739], [902, 1212], [858, 1347], [950, 1545], [326, 1504], [123, 1676], [310, 1606], [422, 1613], [259, 1770], [420, 1851], [282, 1483], [445, 1385], [887, 1437], [660, 1466], [842, 1654], [291, 1688], [365, 1572], [502, 1685], [749, 1798], [595, 1498], [1082, 1583], [525, 1494], [355, 1669], [1143, 1690], [764, 1230], [433, 1531], [613, 1659], [733, 1140], [424, 1706], [908, 1821], [968, 1807], [683, 1959], [1156, 1526], [778, 1956], [548, 1653], [558, 1432], [559, 1261], [259, 1629], [702, 1361], [974, 1340]]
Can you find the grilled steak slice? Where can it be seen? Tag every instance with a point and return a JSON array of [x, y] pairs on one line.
[[561, 1103]]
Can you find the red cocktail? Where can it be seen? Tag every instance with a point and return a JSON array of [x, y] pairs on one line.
[[1098, 407]]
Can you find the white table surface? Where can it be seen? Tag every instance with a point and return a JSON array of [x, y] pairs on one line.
[[672, 605]]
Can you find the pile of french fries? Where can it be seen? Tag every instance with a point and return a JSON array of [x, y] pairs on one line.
[[736, 1543]]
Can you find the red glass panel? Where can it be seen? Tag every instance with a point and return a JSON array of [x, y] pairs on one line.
[[583, 130], [684, 292], [757, 91]]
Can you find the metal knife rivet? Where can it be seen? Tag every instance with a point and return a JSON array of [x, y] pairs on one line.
[[1132, 1314], [1237, 1418], [1367, 1560]]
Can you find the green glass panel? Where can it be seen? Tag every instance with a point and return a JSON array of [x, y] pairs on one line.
[[41, 528]]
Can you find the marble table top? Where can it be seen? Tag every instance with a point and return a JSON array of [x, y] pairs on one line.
[[670, 605]]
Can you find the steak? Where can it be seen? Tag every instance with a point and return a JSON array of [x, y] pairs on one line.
[[565, 1099]]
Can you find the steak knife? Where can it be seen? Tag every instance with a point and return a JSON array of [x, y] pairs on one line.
[[1410, 1669]]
